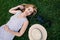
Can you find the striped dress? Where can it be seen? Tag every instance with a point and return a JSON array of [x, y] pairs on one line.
[[14, 24]]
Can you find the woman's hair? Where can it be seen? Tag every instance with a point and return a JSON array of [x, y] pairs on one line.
[[28, 5]]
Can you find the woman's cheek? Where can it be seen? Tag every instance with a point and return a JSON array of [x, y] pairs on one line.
[[29, 14]]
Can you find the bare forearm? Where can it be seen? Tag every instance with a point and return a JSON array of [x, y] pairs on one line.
[[14, 33], [6, 28], [19, 6], [14, 8]]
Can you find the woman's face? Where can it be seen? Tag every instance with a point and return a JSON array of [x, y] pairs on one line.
[[29, 11]]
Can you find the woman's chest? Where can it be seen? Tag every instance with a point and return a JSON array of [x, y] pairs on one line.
[[15, 24]]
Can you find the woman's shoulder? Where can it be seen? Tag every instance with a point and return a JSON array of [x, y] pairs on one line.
[[26, 21], [18, 12]]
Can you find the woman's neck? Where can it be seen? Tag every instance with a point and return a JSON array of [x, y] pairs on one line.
[[23, 15]]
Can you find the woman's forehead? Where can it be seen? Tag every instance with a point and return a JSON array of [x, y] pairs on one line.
[[31, 7]]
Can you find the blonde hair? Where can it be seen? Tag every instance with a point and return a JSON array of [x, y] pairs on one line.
[[34, 7]]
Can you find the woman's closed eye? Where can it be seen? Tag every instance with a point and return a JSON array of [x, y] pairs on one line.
[[29, 10]]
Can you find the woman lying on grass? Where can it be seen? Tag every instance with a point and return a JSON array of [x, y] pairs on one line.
[[17, 22]]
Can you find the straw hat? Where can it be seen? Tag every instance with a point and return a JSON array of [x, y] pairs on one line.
[[37, 32]]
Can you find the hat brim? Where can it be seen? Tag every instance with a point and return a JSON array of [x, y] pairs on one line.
[[37, 32]]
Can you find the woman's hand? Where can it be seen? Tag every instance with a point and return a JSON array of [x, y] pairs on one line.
[[6, 28], [20, 6]]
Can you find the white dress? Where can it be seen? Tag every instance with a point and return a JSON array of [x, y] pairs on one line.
[[14, 24]]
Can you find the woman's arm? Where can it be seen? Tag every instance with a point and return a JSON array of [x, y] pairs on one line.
[[13, 10], [21, 32]]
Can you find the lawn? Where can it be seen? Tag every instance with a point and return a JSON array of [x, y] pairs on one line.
[[49, 9]]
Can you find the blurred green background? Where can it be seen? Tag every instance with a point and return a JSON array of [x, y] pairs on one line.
[[49, 9]]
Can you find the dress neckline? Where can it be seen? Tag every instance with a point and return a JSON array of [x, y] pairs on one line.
[[19, 13], [20, 17]]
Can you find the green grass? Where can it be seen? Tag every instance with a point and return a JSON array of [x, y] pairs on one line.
[[49, 9]]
